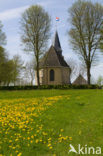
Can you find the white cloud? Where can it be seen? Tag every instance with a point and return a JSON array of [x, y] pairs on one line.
[[16, 12], [12, 13], [45, 4]]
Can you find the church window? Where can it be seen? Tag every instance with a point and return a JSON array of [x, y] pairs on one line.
[[51, 75]]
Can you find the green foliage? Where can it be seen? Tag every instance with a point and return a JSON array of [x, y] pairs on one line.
[[2, 35], [6, 72], [3, 65], [62, 87], [100, 81], [9, 69], [16, 68]]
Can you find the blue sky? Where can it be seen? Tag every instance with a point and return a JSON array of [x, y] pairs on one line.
[[10, 13]]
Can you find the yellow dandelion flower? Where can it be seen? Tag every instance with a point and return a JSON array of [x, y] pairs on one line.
[[28, 138], [70, 138], [19, 154], [37, 141], [49, 139], [50, 147], [62, 130], [32, 136]]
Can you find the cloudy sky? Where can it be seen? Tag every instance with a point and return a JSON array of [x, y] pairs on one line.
[[10, 13]]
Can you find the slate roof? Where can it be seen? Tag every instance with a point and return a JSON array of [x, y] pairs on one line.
[[80, 80], [54, 58]]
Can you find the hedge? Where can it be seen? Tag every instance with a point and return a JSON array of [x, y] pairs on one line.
[[50, 87]]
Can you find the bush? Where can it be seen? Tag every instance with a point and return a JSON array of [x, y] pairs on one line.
[[50, 87]]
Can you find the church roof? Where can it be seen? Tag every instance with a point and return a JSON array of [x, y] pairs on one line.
[[80, 80], [54, 58]]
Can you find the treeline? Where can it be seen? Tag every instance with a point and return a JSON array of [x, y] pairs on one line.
[[14, 71], [10, 69]]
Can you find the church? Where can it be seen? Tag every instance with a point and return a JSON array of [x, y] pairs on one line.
[[54, 70]]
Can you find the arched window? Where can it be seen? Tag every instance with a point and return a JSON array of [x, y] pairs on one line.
[[51, 75]]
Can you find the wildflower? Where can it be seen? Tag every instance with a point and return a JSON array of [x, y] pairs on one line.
[[50, 147], [37, 141], [62, 130], [49, 139], [19, 154], [31, 141], [28, 138], [32, 136], [70, 138]]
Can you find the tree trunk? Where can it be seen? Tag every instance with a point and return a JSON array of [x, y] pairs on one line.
[[88, 75], [38, 81]]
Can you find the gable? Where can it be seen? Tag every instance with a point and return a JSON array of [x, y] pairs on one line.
[[53, 58], [80, 80]]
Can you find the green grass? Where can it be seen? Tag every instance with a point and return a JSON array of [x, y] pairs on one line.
[[78, 112]]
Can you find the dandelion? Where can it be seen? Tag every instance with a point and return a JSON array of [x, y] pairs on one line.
[[37, 141], [70, 138], [31, 141], [32, 136], [19, 154], [17, 117], [50, 147], [49, 139], [28, 138], [62, 130]]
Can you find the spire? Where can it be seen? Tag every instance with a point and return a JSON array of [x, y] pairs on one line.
[[56, 43]]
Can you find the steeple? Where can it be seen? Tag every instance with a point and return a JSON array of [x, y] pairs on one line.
[[56, 43]]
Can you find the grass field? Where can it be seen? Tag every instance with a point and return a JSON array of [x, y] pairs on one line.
[[46, 122]]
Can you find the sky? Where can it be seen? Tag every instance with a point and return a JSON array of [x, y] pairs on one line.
[[10, 15]]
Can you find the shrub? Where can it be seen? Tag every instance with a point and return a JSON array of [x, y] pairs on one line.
[[50, 87]]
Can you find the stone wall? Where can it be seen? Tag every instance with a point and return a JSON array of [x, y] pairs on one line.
[[62, 76], [65, 75]]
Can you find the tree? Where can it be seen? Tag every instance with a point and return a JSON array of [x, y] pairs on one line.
[[73, 64], [35, 26], [10, 70], [100, 80], [30, 71], [3, 60], [85, 33], [76, 68], [17, 68], [2, 36], [7, 72]]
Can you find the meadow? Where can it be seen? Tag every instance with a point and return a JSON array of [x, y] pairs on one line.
[[46, 122]]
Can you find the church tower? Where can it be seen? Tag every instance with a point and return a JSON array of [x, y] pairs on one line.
[[53, 68]]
